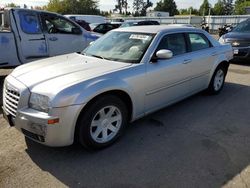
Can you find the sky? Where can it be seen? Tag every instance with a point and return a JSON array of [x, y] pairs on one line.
[[106, 5]]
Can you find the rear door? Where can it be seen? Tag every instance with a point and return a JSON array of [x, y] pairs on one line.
[[203, 56], [31, 41], [63, 36]]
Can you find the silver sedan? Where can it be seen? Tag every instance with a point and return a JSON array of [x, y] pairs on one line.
[[125, 75]]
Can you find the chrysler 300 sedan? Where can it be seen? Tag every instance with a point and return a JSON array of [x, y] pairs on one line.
[[126, 74]]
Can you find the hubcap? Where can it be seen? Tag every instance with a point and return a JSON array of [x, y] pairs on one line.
[[106, 124], [218, 80]]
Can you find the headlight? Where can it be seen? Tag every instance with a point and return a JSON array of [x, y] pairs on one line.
[[39, 102], [222, 40]]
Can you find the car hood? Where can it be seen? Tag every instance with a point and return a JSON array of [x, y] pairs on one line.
[[237, 35], [60, 71]]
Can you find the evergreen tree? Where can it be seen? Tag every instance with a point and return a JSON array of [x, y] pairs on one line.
[[228, 7], [204, 8], [167, 6], [219, 8]]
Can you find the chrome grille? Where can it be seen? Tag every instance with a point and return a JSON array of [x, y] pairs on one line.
[[11, 99], [239, 43]]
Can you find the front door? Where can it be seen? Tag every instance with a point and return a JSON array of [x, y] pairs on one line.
[[30, 40], [63, 36], [168, 79]]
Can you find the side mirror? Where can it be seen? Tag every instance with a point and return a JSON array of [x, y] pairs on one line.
[[76, 31], [164, 54]]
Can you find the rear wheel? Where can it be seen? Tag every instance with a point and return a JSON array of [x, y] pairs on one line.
[[103, 122], [218, 80]]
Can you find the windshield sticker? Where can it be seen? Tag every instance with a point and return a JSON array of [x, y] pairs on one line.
[[141, 37]]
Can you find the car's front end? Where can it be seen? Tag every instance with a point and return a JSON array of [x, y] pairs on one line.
[[239, 38], [32, 114], [40, 98], [241, 46]]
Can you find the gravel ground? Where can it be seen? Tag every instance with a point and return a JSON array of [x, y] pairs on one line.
[[202, 141]]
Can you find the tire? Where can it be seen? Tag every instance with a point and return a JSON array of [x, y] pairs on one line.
[[218, 79], [102, 123]]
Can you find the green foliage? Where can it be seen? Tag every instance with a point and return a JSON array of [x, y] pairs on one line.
[[73, 6], [167, 6], [122, 4], [240, 6], [228, 7], [140, 7], [219, 8], [11, 5], [204, 8], [188, 11]]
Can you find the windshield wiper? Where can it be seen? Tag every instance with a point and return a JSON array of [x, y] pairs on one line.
[[97, 56]]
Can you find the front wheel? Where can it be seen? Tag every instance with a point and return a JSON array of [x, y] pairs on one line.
[[218, 80], [103, 122]]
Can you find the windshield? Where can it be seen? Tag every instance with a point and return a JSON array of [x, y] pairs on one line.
[[243, 27], [126, 47]]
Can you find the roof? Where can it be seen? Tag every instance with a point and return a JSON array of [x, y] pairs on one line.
[[156, 29], [33, 10]]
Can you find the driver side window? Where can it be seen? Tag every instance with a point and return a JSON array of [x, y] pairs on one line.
[[56, 24], [174, 42]]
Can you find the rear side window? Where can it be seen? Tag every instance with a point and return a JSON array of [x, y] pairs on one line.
[[198, 41], [174, 42], [29, 22]]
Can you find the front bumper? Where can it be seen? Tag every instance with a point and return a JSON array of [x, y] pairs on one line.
[[34, 125], [241, 53]]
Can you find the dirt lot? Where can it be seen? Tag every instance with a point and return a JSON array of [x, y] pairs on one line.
[[203, 141]]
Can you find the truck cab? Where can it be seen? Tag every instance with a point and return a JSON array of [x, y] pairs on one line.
[[28, 35]]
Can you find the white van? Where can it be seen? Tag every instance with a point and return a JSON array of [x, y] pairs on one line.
[[88, 18]]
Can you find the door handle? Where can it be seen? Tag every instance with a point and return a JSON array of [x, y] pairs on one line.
[[53, 39], [36, 39], [186, 61]]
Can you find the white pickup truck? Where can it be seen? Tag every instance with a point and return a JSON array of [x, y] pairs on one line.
[[28, 35]]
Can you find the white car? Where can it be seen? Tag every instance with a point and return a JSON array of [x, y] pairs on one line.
[[123, 76]]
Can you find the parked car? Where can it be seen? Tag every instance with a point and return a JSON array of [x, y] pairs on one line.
[[82, 23], [104, 27], [28, 35], [138, 23], [124, 75], [239, 38], [87, 18]]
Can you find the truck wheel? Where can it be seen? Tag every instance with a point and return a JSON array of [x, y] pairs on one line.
[[218, 80], [103, 122]]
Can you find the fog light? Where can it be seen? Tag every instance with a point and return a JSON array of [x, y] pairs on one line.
[[38, 129]]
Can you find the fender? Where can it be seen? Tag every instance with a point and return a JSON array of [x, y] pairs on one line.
[[84, 92], [222, 57]]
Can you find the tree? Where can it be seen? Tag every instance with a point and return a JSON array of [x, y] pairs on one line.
[[240, 6], [228, 7], [122, 4], [137, 6], [11, 5], [219, 8], [141, 7], [73, 6], [188, 11], [167, 6], [204, 8], [146, 5]]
